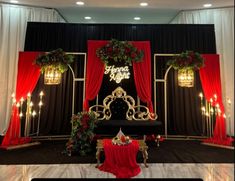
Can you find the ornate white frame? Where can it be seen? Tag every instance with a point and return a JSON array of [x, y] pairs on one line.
[[103, 112]]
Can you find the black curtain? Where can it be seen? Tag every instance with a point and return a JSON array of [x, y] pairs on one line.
[[183, 103]]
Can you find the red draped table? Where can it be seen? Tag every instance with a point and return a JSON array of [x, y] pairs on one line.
[[120, 160]]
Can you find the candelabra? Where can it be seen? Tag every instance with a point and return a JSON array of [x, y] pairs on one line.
[[210, 109], [30, 114]]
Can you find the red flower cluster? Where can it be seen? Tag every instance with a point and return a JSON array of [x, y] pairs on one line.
[[119, 51], [187, 59], [84, 121], [83, 124]]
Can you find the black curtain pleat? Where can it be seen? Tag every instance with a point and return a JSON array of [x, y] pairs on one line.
[[184, 115]]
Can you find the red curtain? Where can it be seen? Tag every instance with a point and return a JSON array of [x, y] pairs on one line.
[[27, 77], [142, 74], [211, 84], [94, 72], [120, 160]]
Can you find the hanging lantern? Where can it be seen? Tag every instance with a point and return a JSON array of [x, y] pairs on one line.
[[185, 77], [52, 75]]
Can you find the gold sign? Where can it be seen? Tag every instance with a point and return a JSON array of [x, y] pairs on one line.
[[117, 73]]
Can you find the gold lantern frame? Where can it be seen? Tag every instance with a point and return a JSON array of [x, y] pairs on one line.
[[185, 77], [52, 75]]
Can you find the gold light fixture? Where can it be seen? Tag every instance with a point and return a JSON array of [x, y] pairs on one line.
[[52, 75], [185, 77]]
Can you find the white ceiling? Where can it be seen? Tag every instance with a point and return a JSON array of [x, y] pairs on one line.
[[123, 11]]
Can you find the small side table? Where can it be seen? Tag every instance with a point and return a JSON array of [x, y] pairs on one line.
[[142, 147]]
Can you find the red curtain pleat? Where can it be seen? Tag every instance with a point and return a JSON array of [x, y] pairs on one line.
[[142, 74], [94, 72], [27, 77], [211, 84]]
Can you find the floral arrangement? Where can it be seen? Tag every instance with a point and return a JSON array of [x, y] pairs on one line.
[[119, 52], [57, 59], [187, 59], [82, 133]]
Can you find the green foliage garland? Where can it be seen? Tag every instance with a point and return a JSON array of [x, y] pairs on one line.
[[82, 133], [119, 51], [57, 59], [187, 59]]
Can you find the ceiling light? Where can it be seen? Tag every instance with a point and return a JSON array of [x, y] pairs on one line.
[[87, 17], [143, 4], [137, 18], [14, 1], [80, 3], [207, 5]]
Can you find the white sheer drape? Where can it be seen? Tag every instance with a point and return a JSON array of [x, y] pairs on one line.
[[223, 20], [13, 22]]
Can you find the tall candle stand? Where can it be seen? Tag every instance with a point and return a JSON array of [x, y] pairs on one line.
[[229, 116], [210, 111], [13, 104], [207, 117], [208, 114], [203, 113], [39, 111], [33, 121], [27, 115]]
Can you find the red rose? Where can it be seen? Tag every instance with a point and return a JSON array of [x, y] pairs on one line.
[[127, 50], [110, 49], [190, 60], [123, 138], [191, 54], [84, 121], [133, 55]]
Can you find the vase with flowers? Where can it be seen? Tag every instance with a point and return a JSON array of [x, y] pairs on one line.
[[83, 124]]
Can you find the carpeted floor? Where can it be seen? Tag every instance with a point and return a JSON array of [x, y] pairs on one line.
[[170, 151]]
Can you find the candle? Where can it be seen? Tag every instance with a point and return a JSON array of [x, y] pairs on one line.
[[215, 97], [34, 113], [211, 100], [201, 95], [31, 104], [41, 94], [21, 114], [13, 95], [18, 104], [40, 104], [203, 109]]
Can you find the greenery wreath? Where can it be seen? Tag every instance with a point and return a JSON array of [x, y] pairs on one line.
[[187, 59], [57, 59], [119, 52]]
